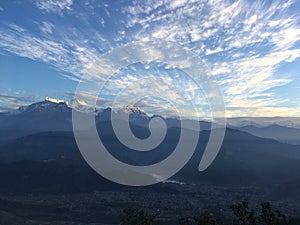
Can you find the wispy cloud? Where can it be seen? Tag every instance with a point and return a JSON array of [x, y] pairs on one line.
[[56, 6], [262, 111], [46, 27], [242, 42], [66, 56], [87, 99], [8, 102]]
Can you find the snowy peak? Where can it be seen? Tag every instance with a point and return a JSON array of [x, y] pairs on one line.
[[131, 109], [60, 106], [78, 101], [44, 106], [81, 106], [54, 100], [135, 114]]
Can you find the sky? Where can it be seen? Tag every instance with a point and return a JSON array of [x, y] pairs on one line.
[[251, 48]]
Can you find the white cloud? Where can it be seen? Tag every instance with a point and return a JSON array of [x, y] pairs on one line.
[[221, 70], [14, 100], [263, 111], [214, 51], [56, 6], [177, 3], [46, 27], [67, 56]]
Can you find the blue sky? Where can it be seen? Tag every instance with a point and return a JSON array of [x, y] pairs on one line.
[[251, 47]]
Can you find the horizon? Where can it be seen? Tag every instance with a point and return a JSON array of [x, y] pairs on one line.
[[58, 101]]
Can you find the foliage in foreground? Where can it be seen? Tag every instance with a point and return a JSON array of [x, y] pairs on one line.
[[243, 215]]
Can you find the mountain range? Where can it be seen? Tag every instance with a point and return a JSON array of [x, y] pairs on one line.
[[52, 116], [57, 116], [280, 133], [40, 135]]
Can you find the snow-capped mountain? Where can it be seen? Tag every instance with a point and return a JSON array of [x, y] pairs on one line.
[[54, 115], [134, 112], [44, 106], [136, 115], [82, 106], [37, 117], [132, 109], [50, 115]]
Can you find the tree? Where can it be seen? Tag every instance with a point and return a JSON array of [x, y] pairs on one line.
[[270, 217], [206, 218], [244, 216], [184, 221]]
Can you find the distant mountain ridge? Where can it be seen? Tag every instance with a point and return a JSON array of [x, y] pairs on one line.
[[242, 158], [41, 134], [48, 116], [57, 116], [37, 117], [275, 131], [293, 122]]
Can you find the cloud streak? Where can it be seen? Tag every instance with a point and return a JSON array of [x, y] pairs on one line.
[[8, 102], [55, 6]]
